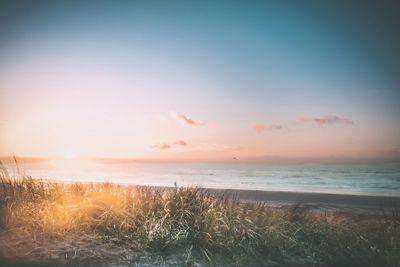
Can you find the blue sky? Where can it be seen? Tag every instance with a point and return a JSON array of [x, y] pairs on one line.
[[127, 70]]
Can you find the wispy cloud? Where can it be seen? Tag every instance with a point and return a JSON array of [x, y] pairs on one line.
[[181, 143], [328, 120], [178, 143], [186, 120], [162, 146], [259, 128]]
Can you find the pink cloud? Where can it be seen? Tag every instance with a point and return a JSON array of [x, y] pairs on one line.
[[163, 146], [188, 121], [181, 143], [264, 127], [328, 120]]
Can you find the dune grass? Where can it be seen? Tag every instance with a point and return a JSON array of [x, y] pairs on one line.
[[44, 220]]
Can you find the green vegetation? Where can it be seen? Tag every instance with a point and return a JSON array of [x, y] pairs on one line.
[[46, 221]]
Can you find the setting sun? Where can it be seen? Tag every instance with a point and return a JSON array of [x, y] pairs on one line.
[[69, 155]]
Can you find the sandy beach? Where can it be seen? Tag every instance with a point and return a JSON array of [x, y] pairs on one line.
[[323, 202], [315, 201]]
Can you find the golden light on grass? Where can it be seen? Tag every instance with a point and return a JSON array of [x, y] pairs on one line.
[[42, 217]]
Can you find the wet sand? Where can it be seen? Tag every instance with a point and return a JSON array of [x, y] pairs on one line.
[[315, 201]]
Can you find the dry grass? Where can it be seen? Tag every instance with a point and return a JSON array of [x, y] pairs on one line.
[[43, 220]]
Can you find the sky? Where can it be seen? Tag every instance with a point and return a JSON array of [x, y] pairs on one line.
[[200, 80]]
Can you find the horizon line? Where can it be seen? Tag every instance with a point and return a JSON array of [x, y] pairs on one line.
[[254, 159]]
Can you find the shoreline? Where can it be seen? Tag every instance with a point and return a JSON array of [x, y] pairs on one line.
[[316, 201], [322, 202]]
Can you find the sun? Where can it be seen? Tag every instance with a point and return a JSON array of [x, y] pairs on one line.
[[69, 155]]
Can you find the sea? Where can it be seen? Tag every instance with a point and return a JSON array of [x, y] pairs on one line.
[[381, 179]]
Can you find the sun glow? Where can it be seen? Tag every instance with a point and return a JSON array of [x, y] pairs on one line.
[[69, 155], [71, 163]]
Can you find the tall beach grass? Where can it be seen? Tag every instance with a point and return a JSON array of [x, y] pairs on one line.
[[44, 221]]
